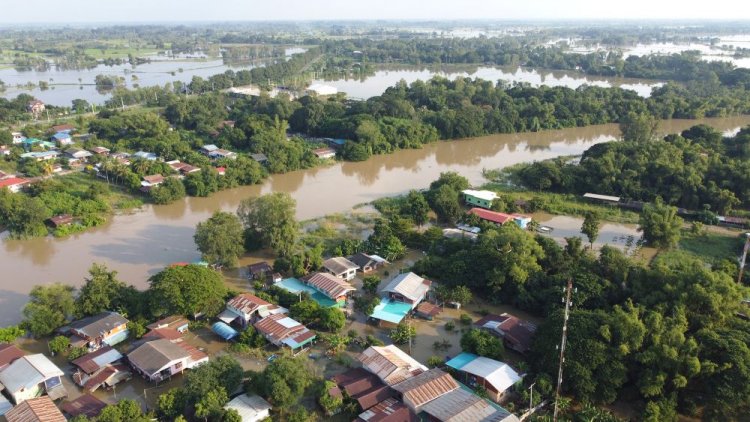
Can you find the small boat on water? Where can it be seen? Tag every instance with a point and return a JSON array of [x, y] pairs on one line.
[[544, 229]]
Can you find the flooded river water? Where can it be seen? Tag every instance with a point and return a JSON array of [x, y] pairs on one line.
[[140, 244]]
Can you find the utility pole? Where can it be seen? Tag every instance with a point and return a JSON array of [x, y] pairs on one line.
[[408, 321], [568, 292], [531, 397], [744, 257]]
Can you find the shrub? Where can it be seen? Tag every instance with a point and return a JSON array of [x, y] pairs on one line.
[[450, 326], [465, 319]]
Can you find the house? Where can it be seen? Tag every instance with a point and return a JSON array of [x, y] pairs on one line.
[[388, 410], [332, 287], [77, 155], [66, 128], [226, 123], [41, 156], [389, 363], [280, 330], [151, 181], [463, 405], [5, 150], [100, 369], [341, 267], [183, 168], [428, 310], [100, 150], [363, 387], [143, 155], [494, 376], [367, 263], [259, 270], [122, 158], [17, 137], [163, 333], [62, 139], [516, 333], [324, 153], [60, 220], [407, 288], [479, 198], [252, 408], [247, 309], [35, 107], [8, 354], [86, 405], [14, 184], [160, 359], [422, 388], [40, 409], [106, 328], [321, 90], [208, 149], [31, 376], [501, 218], [222, 153], [335, 143], [176, 322], [260, 158], [221, 170]]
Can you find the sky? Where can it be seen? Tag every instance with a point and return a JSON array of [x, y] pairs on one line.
[[97, 11]]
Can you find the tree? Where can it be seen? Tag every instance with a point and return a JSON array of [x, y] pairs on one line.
[[384, 242], [220, 373], [660, 224], [126, 410], [445, 203], [231, 415], [6, 138], [212, 404], [416, 207], [168, 191], [284, 382], [59, 344], [331, 319], [638, 127], [370, 284], [482, 343], [403, 333], [136, 329], [329, 403], [590, 227], [49, 308], [102, 291], [188, 290], [220, 239], [271, 220], [10, 333], [305, 311]]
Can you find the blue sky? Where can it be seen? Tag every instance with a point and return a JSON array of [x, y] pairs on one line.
[[82, 11]]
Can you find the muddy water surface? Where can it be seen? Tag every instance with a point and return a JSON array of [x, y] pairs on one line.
[[140, 244]]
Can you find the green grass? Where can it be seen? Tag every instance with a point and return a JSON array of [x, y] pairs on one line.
[[711, 247]]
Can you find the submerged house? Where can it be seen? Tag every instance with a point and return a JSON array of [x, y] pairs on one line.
[[478, 371], [363, 387], [463, 405], [160, 359], [8, 354], [100, 369], [280, 330], [400, 296], [176, 322], [252, 408], [517, 334], [341, 267], [245, 309], [332, 287], [40, 409], [31, 376], [389, 363], [106, 328], [367, 263], [422, 388]]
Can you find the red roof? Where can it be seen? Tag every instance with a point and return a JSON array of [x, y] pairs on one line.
[[247, 303], [87, 362], [87, 405], [493, 216], [166, 333], [12, 181], [9, 353], [517, 332]]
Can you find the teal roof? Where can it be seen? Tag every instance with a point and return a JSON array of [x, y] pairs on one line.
[[296, 286], [461, 360], [391, 311]]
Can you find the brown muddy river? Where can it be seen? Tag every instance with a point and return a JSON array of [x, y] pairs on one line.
[[140, 244]]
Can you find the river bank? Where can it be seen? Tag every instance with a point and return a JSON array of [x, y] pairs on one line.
[[140, 244]]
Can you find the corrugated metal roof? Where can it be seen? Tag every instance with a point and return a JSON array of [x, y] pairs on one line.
[[339, 265], [247, 303], [251, 408], [390, 363], [9, 353], [151, 357], [459, 406], [97, 325], [409, 285], [94, 361], [276, 331], [28, 371], [330, 285], [427, 386], [40, 409], [388, 410], [500, 375]]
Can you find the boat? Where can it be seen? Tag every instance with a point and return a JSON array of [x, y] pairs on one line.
[[544, 229]]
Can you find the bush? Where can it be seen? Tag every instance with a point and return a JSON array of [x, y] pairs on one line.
[[450, 326], [59, 344], [77, 352], [465, 319], [435, 361]]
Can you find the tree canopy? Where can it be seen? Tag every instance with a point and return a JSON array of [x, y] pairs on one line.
[[186, 290]]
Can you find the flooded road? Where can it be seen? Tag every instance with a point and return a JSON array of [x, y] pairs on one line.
[[140, 244]]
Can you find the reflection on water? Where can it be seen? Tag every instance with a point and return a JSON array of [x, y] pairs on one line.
[[376, 84], [139, 244]]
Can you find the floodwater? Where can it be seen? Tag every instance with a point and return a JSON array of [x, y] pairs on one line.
[[376, 84], [140, 244]]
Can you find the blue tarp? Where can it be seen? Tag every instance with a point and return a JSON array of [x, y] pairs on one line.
[[224, 331]]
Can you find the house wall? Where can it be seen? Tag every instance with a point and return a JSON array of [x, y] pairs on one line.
[[23, 395], [400, 298], [472, 200]]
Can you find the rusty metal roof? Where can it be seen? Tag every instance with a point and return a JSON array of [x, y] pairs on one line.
[[40, 409], [330, 285], [247, 303], [427, 386], [390, 363]]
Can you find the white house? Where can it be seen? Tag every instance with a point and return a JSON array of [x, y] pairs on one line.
[[341, 267], [31, 376], [251, 408], [160, 359]]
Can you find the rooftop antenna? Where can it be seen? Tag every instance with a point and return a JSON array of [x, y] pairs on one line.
[[568, 292]]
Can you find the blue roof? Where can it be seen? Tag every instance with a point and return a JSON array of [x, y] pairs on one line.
[[61, 135], [296, 286], [391, 311], [224, 331], [461, 360]]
